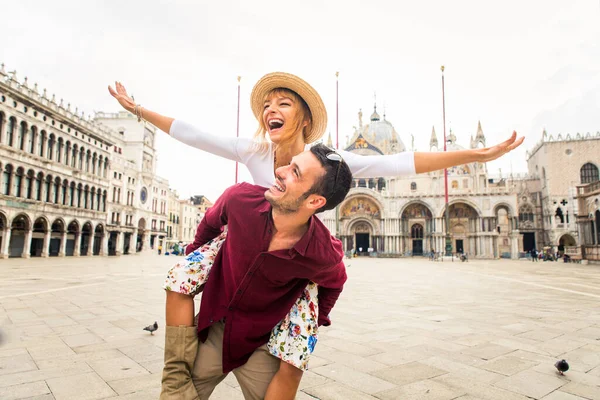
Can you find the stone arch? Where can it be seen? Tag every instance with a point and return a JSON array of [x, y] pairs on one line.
[[23, 129], [51, 143], [86, 236], [362, 235], [589, 173], [7, 179], [441, 213], [507, 206], [10, 131], [20, 228], [567, 240], [57, 233], [73, 233], [39, 185], [29, 184], [60, 145], [33, 137], [41, 227], [99, 233], [18, 183]]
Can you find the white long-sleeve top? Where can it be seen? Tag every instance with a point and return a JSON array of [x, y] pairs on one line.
[[261, 165]]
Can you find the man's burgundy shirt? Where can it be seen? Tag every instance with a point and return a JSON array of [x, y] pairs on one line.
[[252, 288]]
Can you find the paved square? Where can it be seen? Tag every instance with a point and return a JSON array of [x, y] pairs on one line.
[[403, 329]]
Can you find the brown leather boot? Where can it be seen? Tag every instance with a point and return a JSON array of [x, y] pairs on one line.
[[181, 346]]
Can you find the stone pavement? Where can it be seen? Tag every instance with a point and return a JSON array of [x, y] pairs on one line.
[[403, 329]]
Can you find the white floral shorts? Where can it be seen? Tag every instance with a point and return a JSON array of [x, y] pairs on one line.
[[292, 340]]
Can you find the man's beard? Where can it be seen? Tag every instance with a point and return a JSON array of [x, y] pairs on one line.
[[285, 207]]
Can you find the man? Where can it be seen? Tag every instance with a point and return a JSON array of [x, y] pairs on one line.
[[275, 246]]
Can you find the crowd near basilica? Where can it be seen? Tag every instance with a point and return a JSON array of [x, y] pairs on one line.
[[72, 185]]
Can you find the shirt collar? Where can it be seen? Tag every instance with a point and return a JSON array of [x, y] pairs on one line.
[[302, 245], [304, 241]]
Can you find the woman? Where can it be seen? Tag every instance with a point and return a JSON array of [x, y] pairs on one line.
[[293, 115]]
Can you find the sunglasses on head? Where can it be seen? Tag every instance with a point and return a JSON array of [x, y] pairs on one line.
[[334, 156]]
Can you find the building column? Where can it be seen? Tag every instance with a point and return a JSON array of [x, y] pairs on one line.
[[104, 244], [119, 244], [514, 250], [90, 249], [77, 249], [27, 244], [133, 242], [63, 244], [46, 245], [5, 243]]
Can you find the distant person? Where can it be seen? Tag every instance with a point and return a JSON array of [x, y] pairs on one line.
[[159, 249]]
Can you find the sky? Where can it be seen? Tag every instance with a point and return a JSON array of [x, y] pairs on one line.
[[513, 65]]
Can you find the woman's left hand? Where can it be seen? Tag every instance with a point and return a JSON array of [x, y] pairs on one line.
[[494, 152]]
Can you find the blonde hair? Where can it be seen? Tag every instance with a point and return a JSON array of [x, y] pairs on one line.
[[291, 131]]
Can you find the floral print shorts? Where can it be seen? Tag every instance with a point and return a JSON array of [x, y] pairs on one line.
[[292, 340]]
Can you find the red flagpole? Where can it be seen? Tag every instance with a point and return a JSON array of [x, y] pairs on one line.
[[337, 111], [238, 127], [448, 242]]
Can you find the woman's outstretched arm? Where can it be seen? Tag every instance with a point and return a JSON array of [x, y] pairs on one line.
[[409, 163], [160, 121], [223, 146], [426, 162]]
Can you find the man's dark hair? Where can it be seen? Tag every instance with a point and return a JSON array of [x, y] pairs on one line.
[[326, 185]]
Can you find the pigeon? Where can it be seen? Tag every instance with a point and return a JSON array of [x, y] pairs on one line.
[[562, 366], [153, 327]]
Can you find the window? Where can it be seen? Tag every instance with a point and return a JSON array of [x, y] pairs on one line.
[[413, 186], [589, 173], [454, 184]]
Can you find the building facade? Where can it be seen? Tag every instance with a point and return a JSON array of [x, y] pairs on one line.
[[75, 186], [405, 216]]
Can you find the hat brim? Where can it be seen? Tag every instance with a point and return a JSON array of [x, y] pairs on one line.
[[310, 96]]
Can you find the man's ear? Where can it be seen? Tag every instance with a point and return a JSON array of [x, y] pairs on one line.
[[315, 201]]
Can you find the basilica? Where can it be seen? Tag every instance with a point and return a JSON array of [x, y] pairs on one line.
[[499, 217]]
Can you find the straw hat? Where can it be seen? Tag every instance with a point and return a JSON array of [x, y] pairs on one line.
[[284, 80]]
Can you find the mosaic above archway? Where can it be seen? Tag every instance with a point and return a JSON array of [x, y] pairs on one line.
[[361, 206], [416, 211], [462, 210]]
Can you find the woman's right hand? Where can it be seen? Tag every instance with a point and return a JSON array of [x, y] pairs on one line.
[[122, 97]]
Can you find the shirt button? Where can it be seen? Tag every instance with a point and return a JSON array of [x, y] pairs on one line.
[[239, 291], [230, 308], [210, 320]]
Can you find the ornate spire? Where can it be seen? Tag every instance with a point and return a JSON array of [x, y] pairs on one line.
[[479, 137], [433, 142], [375, 116], [329, 142]]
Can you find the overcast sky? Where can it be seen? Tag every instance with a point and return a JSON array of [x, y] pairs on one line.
[[514, 65]]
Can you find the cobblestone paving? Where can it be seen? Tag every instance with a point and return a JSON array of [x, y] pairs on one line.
[[403, 329]]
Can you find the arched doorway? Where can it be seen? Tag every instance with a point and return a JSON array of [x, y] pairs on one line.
[[416, 236], [463, 221], [139, 246], [40, 227], [98, 236], [72, 233], [57, 230], [362, 238], [86, 235], [565, 240], [417, 224], [19, 228]]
